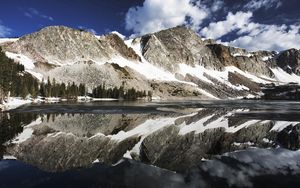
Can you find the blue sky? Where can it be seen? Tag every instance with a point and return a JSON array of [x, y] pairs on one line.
[[251, 24], [26, 16]]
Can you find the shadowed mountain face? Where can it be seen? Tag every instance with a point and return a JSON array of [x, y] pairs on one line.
[[289, 61], [174, 137], [174, 63]]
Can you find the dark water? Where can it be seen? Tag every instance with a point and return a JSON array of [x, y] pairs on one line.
[[169, 144]]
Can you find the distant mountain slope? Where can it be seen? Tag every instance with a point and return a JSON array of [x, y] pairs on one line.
[[173, 63]]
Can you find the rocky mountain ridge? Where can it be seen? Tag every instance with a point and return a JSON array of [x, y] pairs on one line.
[[173, 63]]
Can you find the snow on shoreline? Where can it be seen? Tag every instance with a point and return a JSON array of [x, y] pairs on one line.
[[13, 103], [16, 102], [104, 99]]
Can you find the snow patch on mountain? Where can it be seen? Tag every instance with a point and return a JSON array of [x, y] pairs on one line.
[[222, 76], [145, 68], [240, 54], [22, 59], [285, 77], [266, 58], [196, 71], [4, 40], [27, 62], [123, 37]]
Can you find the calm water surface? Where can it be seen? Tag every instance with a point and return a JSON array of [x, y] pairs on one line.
[[159, 144]]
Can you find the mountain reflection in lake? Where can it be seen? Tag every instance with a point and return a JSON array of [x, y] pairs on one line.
[[209, 143]]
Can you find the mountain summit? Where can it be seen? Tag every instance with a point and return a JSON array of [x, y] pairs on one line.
[[172, 63]]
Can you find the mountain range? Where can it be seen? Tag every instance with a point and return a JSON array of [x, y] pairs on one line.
[[175, 63]]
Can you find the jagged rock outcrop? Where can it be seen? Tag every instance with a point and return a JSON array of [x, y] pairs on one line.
[[118, 44], [240, 58], [219, 90], [170, 47], [59, 44], [63, 45], [289, 61], [240, 80]]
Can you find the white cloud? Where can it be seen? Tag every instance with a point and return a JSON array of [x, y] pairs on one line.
[[156, 15], [233, 22], [267, 4], [254, 36], [270, 37], [32, 12], [217, 5], [93, 31], [4, 31]]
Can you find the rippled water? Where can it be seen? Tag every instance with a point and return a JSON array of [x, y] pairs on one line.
[[126, 144]]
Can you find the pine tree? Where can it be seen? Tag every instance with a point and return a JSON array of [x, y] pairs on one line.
[[33, 90], [42, 89], [24, 91], [82, 89], [13, 79], [68, 91], [62, 90], [48, 88], [54, 88]]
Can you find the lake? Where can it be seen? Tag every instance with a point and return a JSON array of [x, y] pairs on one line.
[[233, 143]]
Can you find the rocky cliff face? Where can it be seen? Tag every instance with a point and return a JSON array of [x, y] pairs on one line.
[[118, 44], [58, 44], [240, 58], [175, 62], [289, 61], [63, 45], [170, 47]]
